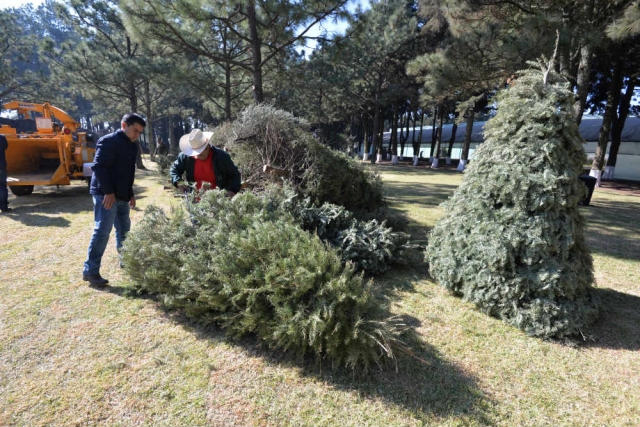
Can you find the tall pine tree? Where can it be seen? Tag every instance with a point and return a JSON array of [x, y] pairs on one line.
[[512, 238]]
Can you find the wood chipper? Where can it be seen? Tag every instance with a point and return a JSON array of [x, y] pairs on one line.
[[54, 154]]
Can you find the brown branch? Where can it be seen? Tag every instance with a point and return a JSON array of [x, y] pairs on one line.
[[274, 171], [246, 137]]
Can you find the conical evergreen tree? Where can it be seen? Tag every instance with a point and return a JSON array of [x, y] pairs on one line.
[[512, 238]]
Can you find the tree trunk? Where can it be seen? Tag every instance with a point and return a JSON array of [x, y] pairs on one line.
[[436, 157], [571, 46], [393, 146], [405, 135], [417, 145], [367, 143], [377, 115], [617, 126], [564, 45], [434, 133], [381, 129], [174, 138], [464, 156], [227, 84], [149, 128], [133, 97], [377, 133], [452, 140], [613, 98], [582, 81], [256, 53], [133, 102]]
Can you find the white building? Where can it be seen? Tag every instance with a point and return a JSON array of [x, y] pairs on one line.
[[628, 160]]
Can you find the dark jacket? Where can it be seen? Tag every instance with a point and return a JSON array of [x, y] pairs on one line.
[[227, 174], [114, 166], [3, 146]]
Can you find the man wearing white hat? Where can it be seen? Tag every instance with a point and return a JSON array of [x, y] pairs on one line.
[[204, 165]]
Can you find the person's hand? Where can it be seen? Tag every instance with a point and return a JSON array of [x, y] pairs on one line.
[[132, 202], [109, 200], [182, 187]]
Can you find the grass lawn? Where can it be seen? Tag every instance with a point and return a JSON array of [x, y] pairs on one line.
[[71, 355]]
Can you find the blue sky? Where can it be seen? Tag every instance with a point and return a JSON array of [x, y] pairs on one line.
[[17, 3], [334, 28]]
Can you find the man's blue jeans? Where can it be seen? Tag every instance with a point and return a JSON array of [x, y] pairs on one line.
[[105, 220]]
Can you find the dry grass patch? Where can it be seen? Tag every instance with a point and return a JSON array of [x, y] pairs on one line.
[[71, 355], [535, 382]]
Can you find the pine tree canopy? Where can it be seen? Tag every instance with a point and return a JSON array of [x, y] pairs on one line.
[[511, 239]]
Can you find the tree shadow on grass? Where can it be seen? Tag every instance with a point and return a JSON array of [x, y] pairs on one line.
[[420, 380], [618, 326], [420, 170], [140, 191], [41, 209], [424, 384], [402, 277], [613, 228], [37, 220], [419, 193], [120, 291]]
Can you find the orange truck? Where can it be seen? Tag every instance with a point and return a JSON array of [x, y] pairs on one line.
[[54, 154]]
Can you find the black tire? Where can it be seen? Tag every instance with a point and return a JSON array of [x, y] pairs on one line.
[[21, 190]]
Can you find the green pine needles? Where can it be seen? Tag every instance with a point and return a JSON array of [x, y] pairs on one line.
[[250, 267], [370, 245], [265, 136], [512, 238]]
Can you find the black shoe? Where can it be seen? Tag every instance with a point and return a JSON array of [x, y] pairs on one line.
[[6, 210], [94, 279]]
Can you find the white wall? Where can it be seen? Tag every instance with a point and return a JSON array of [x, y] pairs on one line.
[[627, 163]]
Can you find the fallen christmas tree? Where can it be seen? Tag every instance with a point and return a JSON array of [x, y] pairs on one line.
[[512, 237], [249, 266]]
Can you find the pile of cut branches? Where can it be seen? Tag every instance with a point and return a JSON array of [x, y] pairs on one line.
[[271, 145]]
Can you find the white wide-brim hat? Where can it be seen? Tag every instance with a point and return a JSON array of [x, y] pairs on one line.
[[195, 142]]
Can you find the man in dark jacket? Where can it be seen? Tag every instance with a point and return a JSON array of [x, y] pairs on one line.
[[204, 165], [4, 191], [114, 167]]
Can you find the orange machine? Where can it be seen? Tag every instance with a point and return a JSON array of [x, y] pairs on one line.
[[52, 155]]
